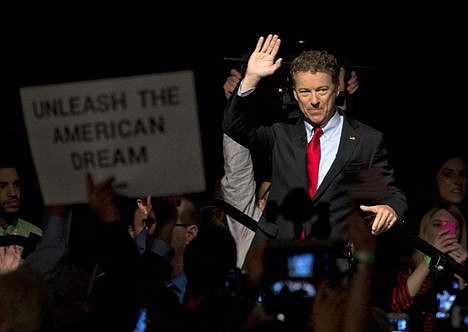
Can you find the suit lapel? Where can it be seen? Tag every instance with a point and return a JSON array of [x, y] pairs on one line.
[[348, 142], [300, 143]]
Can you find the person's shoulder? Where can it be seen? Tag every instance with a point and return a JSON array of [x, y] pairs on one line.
[[30, 227], [364, 128], [288, 117]]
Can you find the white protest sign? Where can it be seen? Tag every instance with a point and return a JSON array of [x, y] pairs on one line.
[[144, 130]]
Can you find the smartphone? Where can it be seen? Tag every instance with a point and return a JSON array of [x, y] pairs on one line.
[[398, 321], [449, 224], [446, 299], [140, 325]]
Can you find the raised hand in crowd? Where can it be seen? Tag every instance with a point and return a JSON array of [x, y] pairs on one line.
[[348, 307], [327, 307], [352, 85], [231, 83], [10, 258], [144, 217], [101, 200]]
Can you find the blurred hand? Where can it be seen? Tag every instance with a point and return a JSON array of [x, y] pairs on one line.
[[328, 308], [59, 210], [231, 83], [458, 253], [165, 211], [447, 243], [254, 264], [101, 200], [359, 234], [10, 257], [353, 83], [143, 214]]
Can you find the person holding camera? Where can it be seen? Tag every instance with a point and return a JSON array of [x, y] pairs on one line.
[[337, 302], [421, 290]]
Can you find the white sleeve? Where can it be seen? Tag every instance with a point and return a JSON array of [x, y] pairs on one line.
[[238, 188]]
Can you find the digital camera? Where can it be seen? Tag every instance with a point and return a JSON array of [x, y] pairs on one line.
[[293, 272]]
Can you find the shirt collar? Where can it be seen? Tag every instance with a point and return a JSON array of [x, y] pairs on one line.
[[180, 281], [328, 127]]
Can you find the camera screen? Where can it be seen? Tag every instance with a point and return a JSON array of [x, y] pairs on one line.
[[399, 325], [445, 300], [300, 270], [301, 265], [398, 321], [293, 272]]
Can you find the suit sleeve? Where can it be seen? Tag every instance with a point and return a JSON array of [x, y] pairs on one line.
[[393, 196], [240, 124], [238, 119]]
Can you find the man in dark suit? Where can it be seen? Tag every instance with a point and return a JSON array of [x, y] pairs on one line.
[[354, 170]]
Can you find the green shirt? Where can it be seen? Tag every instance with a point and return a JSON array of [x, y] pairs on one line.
[[23, 227]]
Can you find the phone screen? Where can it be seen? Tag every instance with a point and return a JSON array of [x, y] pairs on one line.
[[446, 299], [296, 278], [398, 321], [449, 224], [141, 323]]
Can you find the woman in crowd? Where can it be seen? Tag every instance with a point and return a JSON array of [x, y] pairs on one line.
[[419, 286]]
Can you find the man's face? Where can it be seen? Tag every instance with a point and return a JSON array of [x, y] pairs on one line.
[[315, 94], [10, 192]]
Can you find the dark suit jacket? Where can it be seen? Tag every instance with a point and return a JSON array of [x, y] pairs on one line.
[[289, 209]]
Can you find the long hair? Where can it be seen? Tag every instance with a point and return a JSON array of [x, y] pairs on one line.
[[425, 223]]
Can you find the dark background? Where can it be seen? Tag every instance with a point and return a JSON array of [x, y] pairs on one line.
[[412, 62]]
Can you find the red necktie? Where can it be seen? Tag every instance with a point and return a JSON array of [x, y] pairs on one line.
[[313, 159]]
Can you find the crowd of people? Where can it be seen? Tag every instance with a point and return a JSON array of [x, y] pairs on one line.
[[119, 263]]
